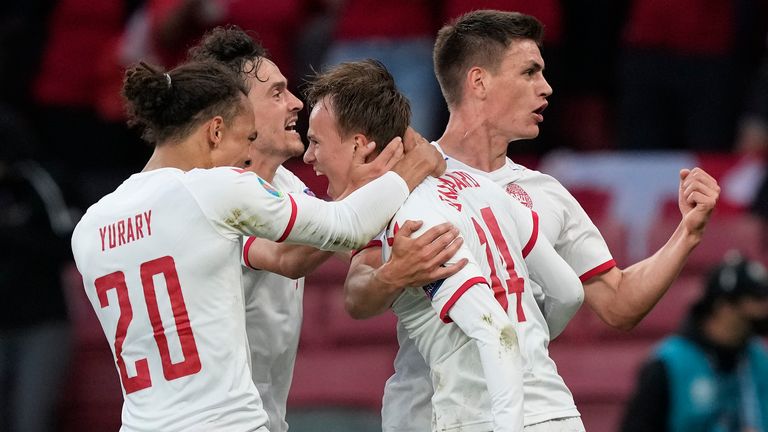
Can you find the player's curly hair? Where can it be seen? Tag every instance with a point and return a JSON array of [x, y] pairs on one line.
[[169, 105], [478, 38], [365, 100], [232, 46]]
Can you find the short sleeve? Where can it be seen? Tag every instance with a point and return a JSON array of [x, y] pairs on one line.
[[579, 242]]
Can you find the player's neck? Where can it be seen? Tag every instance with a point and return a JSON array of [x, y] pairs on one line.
[[466, 140], [183, 155], [265, 166]]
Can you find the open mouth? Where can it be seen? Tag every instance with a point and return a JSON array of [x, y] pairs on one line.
[[541, 109], [291, 127]]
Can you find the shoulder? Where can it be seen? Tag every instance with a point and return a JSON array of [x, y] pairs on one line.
[[289, 182]]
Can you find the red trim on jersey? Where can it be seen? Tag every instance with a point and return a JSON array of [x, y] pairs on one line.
[[534, 235], [246, 248], [239, 170], [602, 268], [371, 244], [291, 221], [455, 297]]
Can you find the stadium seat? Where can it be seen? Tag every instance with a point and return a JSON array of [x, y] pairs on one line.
[[344, 330], [601, 416], [724, 232], [600, 372], [351, 376]]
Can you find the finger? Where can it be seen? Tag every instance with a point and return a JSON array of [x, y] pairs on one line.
[[435, 232], [445, 252], [449, 270], [701, 176], [409, 227], [701, 188], [701, 201], [684, 173], [391, 151], [410, 139]]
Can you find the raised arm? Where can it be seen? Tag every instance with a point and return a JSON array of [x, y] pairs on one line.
[[371, 287], [622, 298]]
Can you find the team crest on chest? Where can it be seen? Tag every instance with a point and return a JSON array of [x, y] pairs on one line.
[[519, 194]]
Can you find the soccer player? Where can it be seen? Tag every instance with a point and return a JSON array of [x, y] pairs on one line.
[[490, 70], [501, 237], [160, 255], [274, 302]]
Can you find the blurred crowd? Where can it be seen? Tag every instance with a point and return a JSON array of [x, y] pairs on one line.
[[627, 75], [634, 75]]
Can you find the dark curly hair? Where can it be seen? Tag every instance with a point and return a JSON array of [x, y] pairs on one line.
[[232, 47], [170, 105]]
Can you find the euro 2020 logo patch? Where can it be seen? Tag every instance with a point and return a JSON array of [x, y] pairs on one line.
[[519, 194], [272, 191]]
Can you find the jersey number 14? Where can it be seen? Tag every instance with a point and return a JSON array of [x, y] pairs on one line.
[[514, 285]]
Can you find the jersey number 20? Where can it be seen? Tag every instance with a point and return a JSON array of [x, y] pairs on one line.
[[161, 266], [514, 285]]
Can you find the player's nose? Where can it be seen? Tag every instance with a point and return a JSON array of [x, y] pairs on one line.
[[309, 155]]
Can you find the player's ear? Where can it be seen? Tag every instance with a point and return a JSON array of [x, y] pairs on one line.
[[362, 151], [361, 141], [215, 131], [476, 82]]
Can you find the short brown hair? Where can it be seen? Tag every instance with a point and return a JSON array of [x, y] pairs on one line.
[[365, 99], [478, 38]]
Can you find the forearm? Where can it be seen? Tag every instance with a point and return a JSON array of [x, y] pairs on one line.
[[367, 292], [481, 318], [351, 222], [291, 261], [622, 298]]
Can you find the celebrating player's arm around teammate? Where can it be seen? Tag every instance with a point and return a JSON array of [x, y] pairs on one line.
[[159, 256], [273, 281]]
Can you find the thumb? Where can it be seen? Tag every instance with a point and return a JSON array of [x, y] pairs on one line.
[[684, 173]]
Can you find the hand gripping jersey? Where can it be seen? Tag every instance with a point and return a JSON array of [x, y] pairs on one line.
[[498, 234], [273, 314], [564, 223], [160, 260]]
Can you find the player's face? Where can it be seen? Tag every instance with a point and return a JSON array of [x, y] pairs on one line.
[[329, 153], [276, 110], [237, 136], [517, 92]]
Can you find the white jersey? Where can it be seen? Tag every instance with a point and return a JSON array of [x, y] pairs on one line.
[[273, 314], [498, 234], [564, 223], [160, 264]]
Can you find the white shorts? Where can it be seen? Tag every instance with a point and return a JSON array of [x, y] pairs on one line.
[[568, 424]]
